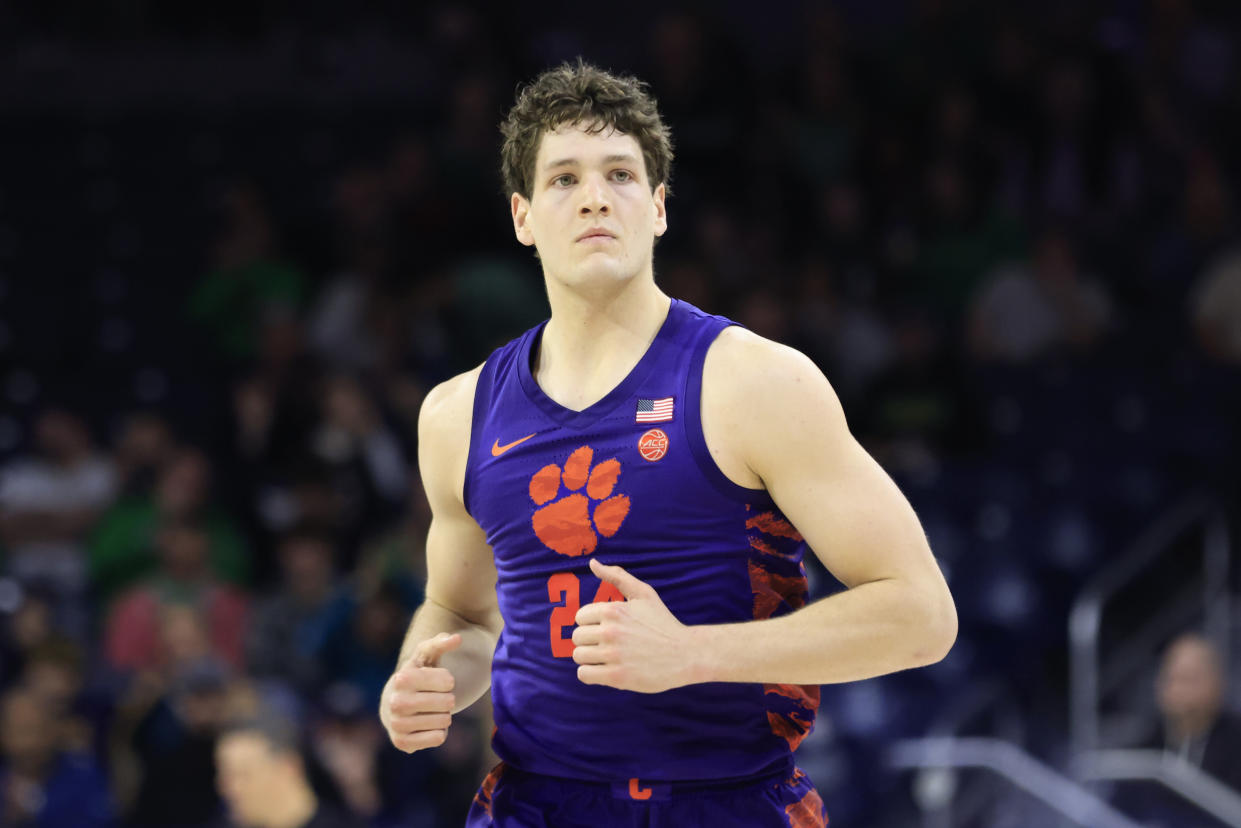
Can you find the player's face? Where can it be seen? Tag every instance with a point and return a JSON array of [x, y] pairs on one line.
[[592, 214]]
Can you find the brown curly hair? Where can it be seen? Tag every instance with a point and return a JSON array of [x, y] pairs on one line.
[[582, 94]]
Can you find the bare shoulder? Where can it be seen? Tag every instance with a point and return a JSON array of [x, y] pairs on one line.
[[760, 375], [448, 403], [762, 399], [444, 424]]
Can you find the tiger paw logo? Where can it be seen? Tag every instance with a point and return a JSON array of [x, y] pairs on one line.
[[571, 525]]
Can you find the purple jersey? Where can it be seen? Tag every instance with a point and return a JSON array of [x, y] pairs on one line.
[[630, 481]]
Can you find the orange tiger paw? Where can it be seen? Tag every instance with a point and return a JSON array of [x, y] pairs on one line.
[[568, 525]]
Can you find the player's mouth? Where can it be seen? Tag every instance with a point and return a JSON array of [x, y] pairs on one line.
[[595, 235]]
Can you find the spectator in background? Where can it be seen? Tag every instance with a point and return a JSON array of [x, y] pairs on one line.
[[362, 648], [962, 236], [166, 724], [361, 455], [248, 278], [826, 131], [390, 788], [54, 673], [1068, 150], [382, 219], [355, 314], [348, 743], [845, 336], [263, 780], [420, 230], [1215, 308], [134, 637], [1205, 224], [291, 626], [917, 410], [1196, 726], [276, 409], [1026, 310], [165, 734], [397, 554], [49, 503], [122, 547], [143, 448], [27, 629], [290, 376], [352, 430], [40, 784]]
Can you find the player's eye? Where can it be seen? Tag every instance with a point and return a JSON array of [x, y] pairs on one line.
[[622, 176], [565, 180]]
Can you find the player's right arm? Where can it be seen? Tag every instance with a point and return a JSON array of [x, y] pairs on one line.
[[445, 662]]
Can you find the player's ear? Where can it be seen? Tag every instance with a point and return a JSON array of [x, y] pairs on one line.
[[521, 215], [661, 213]]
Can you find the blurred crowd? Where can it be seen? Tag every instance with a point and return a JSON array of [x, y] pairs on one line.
[[1008, 236]]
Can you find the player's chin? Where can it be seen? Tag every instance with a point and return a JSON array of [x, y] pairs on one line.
[[601, 271]]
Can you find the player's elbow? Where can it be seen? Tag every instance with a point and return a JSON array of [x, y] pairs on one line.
[[935, 628]]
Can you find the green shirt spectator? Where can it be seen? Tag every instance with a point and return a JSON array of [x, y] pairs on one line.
[[120, 552], [232, 302]]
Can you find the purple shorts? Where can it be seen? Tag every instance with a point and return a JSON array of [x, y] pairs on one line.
[[511, 798]]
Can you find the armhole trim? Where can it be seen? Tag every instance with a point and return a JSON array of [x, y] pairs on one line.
[[482, 403]]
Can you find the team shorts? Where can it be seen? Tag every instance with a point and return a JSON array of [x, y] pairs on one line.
[[511, 798]]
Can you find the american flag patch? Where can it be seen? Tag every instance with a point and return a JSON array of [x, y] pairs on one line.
[[654, 411]]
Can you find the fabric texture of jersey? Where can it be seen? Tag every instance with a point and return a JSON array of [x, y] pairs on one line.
[[509, 798], [629, 481]]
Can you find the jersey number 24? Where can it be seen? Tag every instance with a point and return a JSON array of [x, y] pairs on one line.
[[565, 586]]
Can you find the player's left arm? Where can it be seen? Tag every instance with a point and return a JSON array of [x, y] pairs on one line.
[[778, 415]]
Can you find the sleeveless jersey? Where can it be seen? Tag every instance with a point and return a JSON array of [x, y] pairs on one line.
[[629, 481]]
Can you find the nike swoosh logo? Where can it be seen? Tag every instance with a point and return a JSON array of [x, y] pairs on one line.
[[497, 449]]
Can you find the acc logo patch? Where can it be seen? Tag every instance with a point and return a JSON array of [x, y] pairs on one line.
[[653, 445]]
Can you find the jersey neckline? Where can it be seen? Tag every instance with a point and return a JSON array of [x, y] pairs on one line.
[[622, 391]]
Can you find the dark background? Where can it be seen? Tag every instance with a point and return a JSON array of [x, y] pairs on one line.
[[239, 241]]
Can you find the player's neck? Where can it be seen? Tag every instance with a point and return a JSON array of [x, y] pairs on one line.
[[592, 342]]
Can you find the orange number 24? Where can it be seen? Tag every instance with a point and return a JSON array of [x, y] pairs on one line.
[[565, 586]]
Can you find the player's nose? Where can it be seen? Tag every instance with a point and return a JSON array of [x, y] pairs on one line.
[[595, 197]]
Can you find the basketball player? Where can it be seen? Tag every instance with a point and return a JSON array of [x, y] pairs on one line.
[[619, 501]]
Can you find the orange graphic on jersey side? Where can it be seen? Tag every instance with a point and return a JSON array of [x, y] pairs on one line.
[[772, 524], [483, 797], [806, 812], [771, 590], [767, 549], [567, 525]]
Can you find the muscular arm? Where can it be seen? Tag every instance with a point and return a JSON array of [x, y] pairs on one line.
[[779, 422], [445, 660], [771, 420], [461, 575]]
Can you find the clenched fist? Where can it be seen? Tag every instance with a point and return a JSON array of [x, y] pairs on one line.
[[417, 702]]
